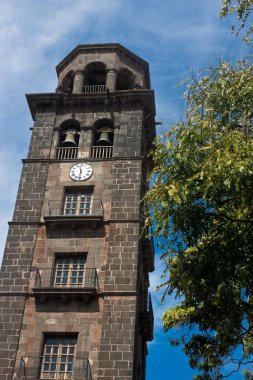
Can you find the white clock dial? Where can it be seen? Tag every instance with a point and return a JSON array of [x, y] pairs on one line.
[[80, 172]]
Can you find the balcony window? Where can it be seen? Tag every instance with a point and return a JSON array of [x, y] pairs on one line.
[[69, 280], [57, 363], [69, 272], [78, 203], [58, 358], [78, 208]]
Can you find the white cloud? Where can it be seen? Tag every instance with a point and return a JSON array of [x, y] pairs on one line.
[[29, 28], [32, 37]]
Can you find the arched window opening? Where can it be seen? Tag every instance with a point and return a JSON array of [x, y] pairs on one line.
[[103, 139], [95, 78], [125, 80], [66, 85], [68, 140]]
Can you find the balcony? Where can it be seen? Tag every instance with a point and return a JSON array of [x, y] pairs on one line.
[[147, 317], [78, 214], [66, 284], [94, 89], [66, 153], [55, 368], [148, 255], [101, 151]]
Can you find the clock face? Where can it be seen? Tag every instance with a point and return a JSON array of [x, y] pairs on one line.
[[80, 172]]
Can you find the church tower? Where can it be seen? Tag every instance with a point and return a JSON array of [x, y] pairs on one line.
[[74, 281]]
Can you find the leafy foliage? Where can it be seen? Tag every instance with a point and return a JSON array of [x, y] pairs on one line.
[[201, 207], [243, 9]]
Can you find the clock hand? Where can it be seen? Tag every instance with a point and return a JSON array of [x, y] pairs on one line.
[[80, 173]]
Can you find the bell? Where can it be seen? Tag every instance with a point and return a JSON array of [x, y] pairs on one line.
[[104, 139], [70, 138]]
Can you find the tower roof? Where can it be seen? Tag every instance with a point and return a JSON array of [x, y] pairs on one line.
[[103, 48]]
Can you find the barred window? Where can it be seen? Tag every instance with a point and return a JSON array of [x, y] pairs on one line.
[[58, 358], [69, 272], [78, 202]]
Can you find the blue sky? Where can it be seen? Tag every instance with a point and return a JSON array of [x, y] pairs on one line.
[[173, 36]]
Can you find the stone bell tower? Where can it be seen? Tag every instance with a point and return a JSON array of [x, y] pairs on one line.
[[74, 280]]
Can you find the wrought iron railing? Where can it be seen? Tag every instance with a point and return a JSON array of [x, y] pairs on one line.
[[94, 89], [150, 311], [66, 278], [66, 153], [147, 313], [148, 256], [57, 208], [58, 368], [101, 151]]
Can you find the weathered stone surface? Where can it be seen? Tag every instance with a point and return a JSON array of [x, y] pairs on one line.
[[108, 327], [11, 314]]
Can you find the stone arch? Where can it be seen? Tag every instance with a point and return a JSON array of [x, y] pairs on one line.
[[103, 128], [67, 83], [69, 131], [95, 74], [125, 80]]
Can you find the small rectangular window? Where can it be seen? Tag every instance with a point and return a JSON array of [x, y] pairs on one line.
[[58, 357], [78, 202]]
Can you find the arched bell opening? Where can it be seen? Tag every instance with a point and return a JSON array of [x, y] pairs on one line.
[[68, 139], [103, 132], [95, 77], [67, 83], [69, 133], [125, 80], [103, 138]]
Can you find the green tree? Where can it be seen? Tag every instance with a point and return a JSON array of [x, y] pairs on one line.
[[201, 209], [248, 376], [242, 9]]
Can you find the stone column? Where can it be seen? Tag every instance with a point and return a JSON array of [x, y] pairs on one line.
[[78, 82], [111, 79], [55, 142], [85, 142]]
